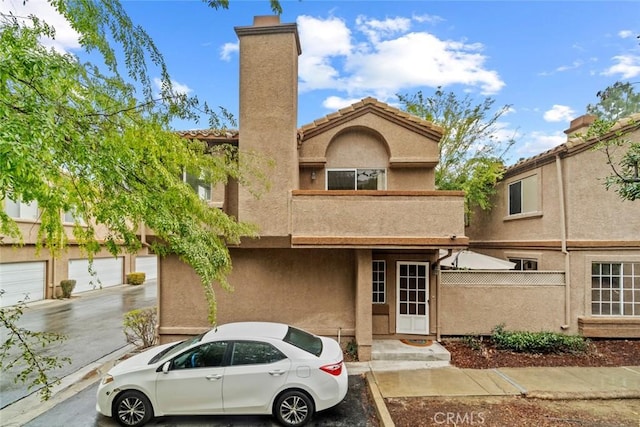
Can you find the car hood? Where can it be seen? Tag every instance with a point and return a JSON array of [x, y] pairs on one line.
[[139, 360]]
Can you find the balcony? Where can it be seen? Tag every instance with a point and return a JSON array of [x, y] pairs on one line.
[[378, 218]]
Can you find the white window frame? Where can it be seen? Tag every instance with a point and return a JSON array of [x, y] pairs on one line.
[[25, 211], [356, 172], [520, 262], [204, 189], [529, 196], [615, 291], [379, 278]]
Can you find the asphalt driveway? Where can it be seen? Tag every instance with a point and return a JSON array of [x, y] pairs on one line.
[[79, 411]]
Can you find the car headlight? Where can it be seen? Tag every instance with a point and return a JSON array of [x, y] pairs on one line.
[[107, 379]]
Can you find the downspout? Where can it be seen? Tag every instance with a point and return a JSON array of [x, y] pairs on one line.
[[563, 236], [438, 279]]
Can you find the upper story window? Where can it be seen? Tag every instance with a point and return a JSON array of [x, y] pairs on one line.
[[70, 217], [199, 185], [20, 210], [523, 196], [356, 179]]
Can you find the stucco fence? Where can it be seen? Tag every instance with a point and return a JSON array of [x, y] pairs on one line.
[[474, 302]]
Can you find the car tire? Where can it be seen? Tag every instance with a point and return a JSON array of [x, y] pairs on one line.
[[132, 409], [294, 408]]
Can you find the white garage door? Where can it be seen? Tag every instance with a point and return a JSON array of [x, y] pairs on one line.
[[107, 272], [21, 279], [148, 265]]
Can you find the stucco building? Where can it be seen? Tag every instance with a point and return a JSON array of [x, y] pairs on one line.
[[553, 212], [351, 227]]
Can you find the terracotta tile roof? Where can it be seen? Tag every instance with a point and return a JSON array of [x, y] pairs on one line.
[[368, 103], [329, 120], [573, 144], [210, 134]]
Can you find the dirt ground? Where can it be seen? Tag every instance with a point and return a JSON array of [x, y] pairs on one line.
[[520, 411], [513, 411]]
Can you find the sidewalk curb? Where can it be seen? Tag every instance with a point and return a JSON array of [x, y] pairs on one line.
[[31, 406], [384, 417]]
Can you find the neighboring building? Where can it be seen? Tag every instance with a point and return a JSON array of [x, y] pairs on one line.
[[32, 275], [552, 212], [351, 227]]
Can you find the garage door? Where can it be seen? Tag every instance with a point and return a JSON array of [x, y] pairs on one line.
[[22, 279], [148, 265], [107, 272]]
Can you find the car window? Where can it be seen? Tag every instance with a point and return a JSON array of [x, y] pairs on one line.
[[304, 340], [254, 352], [208, 355], [175, 349]]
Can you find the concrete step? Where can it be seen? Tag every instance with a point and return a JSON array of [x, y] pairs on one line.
[[396, 350]]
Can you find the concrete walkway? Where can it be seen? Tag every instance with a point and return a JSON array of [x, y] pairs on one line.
[[564, 382], [541, 383]]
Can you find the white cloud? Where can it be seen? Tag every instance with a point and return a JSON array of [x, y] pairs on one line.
[[322, 40], [383, 57], [559, 113], [539, 142], [177, 86], [227, 49], [376, 29], [335, 102], [625, 34], [66, 38], [430, 19], [628, 66]]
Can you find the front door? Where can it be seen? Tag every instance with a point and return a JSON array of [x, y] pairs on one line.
[[412, 284]]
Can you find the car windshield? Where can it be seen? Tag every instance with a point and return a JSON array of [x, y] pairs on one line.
[[304, 340], [178, 347]]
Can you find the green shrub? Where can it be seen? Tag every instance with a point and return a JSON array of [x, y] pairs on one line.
[[537, 342], [140, 326], [352, 349], [473, 342], [136, 278], [67, 287]]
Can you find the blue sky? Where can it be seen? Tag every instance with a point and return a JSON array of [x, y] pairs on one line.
[[545, 59]]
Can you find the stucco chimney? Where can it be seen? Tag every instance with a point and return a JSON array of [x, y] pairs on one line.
[[268, 117], [580, 125]]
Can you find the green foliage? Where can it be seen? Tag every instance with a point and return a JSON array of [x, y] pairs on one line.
[[474, 342], [140, 326], [617, 103], [80, 137], [537, 342], [67, 286], [26, 351], [471, 153], [352, 349], [136, 278]]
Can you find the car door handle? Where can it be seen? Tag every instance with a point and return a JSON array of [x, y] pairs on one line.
[[276, 373], [213, 377]]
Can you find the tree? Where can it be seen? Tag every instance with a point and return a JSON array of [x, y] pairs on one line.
[[471, 152], [615, 102], [613, 110], [95, 140]]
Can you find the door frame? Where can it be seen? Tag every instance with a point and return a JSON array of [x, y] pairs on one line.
[[418, 324]]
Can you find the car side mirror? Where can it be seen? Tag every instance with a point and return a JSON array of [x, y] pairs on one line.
[[165, 367]]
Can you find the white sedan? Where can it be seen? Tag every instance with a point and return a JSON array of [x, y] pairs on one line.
[[237, 368]]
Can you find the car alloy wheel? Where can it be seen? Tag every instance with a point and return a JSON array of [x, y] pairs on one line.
[[133, 409], [294, 408]]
